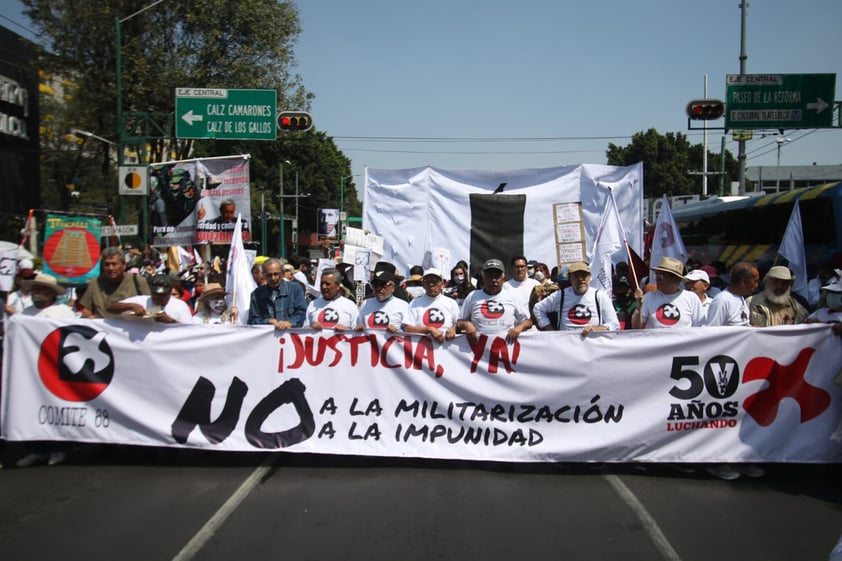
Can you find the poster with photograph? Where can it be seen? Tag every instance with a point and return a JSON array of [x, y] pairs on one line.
[[195, 201]]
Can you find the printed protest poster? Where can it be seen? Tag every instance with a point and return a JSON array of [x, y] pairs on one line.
[[194, 201], [71, 248]]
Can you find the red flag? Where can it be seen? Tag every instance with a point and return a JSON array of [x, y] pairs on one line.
[[638, 268]]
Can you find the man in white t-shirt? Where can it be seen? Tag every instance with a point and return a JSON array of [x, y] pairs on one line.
[[433, 313], [383, 310], [520, 283], [331, 310], [160, 304], [697, 281], [670, 305], [493, 309], [729, 307], [581, 307]]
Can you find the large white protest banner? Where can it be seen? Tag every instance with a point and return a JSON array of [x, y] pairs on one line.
[[711, 394], [483, 214]]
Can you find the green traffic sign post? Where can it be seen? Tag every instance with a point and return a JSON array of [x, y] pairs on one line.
[[780, 101], [226, 114]]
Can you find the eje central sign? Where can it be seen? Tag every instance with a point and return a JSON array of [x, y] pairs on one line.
[[779, 101], [226, 114]]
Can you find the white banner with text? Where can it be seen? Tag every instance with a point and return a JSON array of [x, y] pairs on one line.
[[709, 394]]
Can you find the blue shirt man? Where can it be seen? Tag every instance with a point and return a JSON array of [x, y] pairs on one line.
[[277, 303]]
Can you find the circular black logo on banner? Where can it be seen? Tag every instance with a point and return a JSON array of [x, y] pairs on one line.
[[76, 363]]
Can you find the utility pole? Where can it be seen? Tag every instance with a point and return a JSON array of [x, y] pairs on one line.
[[741, 151]]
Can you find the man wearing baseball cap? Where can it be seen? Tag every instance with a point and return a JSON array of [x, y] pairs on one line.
[[383, 310], [159, 305], [668, 306], [491, 309], [432, 313]]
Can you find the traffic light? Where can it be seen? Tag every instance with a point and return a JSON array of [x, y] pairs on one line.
[[295, 121], [705, 109]]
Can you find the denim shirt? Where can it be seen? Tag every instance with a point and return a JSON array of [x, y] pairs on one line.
[[285, 304]]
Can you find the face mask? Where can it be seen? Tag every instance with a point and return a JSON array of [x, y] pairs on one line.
[[459, 278], [834, 299], [218, 306], [40, 301]]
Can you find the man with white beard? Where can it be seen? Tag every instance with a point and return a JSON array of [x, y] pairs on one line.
[[776, 305], [580, 306]]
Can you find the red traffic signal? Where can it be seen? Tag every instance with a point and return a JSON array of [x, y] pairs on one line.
[[295, 121], [705, 109]]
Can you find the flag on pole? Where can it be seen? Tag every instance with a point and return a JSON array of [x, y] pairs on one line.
[[667, 240], [610, 239], [638, 268], [238, 279], [792, 249]]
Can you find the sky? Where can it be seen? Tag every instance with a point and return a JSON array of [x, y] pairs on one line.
[[493, 85]]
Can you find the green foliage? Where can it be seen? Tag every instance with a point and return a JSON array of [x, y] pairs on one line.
[[248, 44], [667, 159]]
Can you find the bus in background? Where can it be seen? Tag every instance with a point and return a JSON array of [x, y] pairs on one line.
[[750, 228]]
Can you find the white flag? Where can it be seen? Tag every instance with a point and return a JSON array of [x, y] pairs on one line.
[[792, 249], [610, 239], [667, 240], [238, 280]]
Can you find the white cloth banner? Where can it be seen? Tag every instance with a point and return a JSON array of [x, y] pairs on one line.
[[711, 394], [8, 269], [418, 210]]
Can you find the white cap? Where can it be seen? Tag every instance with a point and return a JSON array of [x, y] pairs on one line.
[[696, 275], [833, 286], [433, 271]]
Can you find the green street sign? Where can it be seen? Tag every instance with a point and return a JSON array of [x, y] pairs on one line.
[[779, 101], [226, 114]]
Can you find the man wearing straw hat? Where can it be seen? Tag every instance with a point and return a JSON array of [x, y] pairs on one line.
[[669, 305], [213, 307], [45, 290]]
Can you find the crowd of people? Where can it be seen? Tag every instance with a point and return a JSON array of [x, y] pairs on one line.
[[505, 299]]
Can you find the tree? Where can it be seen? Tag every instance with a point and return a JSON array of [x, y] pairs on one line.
[[201, 43], [667, 159]]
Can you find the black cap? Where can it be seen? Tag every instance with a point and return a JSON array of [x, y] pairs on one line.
[[160, 284], [382, 277]]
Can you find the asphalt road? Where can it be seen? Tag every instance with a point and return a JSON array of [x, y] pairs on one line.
[[149, 504]]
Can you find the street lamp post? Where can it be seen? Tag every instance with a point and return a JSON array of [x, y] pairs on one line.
[[780, 140], [119, 83], [282, 249]]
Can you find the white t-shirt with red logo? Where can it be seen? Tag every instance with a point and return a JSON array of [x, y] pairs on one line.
[[380, 315], [440, 312], [330, 313], [682, 309], [578, 311], [493, 313]]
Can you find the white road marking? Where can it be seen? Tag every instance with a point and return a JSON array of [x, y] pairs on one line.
[[218, 519], [658, 538]]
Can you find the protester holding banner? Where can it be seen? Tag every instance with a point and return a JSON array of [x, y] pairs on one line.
[[331, 310], [159, 305], [45, 291], [669, 305], [277, 303], [102, 298], [491, 309], [433, 313], [384, 310], [775, 305], [213, 307], [580, 306]]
